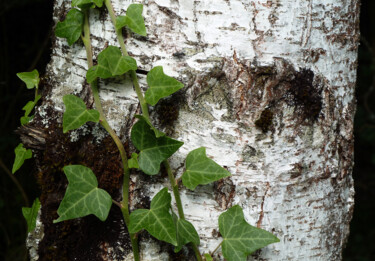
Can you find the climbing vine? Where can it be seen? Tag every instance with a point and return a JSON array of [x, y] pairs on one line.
[[83, 197]]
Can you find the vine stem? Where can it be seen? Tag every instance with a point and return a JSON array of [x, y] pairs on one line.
[[213, 252], [103, 121], [144, 108]]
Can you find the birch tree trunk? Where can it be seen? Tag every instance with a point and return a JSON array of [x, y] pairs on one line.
[[269, 91]]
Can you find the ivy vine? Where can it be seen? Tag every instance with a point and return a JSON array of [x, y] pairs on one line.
[[83, 197]]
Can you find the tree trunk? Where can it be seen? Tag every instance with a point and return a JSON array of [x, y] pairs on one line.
[[269, 91]]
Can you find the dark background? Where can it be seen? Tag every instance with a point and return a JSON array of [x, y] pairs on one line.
[[25, 33]]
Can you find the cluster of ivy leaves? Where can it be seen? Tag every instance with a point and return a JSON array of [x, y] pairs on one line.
[[83, 197]]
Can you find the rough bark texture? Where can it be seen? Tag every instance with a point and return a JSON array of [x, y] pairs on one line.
[[269, 91]]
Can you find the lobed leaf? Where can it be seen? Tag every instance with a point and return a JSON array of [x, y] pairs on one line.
[[153, 150], [31, 79], [82, 196], [133, 19], [28, 108], [201, 170], [22, 154], [30, 214], [157, 220], [161, 85], [157, 132], [76, 114], [110, 63], [186, 233], [240, 239], [87, 3], [71, 27]]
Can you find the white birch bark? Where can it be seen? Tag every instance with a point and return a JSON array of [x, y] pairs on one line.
[[295, 179]]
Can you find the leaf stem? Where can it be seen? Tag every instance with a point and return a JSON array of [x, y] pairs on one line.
[[213, 252], [112, 14], [103, 121]]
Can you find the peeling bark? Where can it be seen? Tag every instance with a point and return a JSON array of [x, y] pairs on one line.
[[269, 91]]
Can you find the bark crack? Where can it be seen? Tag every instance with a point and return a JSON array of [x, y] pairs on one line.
[[261, 215]]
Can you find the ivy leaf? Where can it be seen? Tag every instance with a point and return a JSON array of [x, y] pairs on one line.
[[22, 154], [133, 19], [161, 85], [153, 150], [28, 108], [157, 132], [111, 63], [26, 119], [76, 113], [240, 239], [30, 78], [186, 233], [71, 28], [86, 3], [201, 170], [83, 197], [30, 214], [208, 257], [133, 161], [157, 220]]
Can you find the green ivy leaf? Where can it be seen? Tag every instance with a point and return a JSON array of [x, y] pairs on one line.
[[22, 154], [28, 108], [133, 19], [26, 119], [76, 114], [71, 27], [30, 214], [186, 233], [87, 3], [157, 220], [161, 85], [201, 170], [157, 132], [111, 63], [153, 150], [83, 197], [30, 78], [208, 257], [133, 161], [240, 239]]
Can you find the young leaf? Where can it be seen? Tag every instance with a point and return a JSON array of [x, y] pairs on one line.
[[110, 63], [133, 19], [85, 3], [83, 197], [240, 239], [71, 28], [133, 161], [153, 150], [157, 220], [186, 233], [157, 132], [161, 85], [26, 119], [201, 170], [30, 78], [28, 108], [22, 154], [208, 257], [30, 214], [76, 113]]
